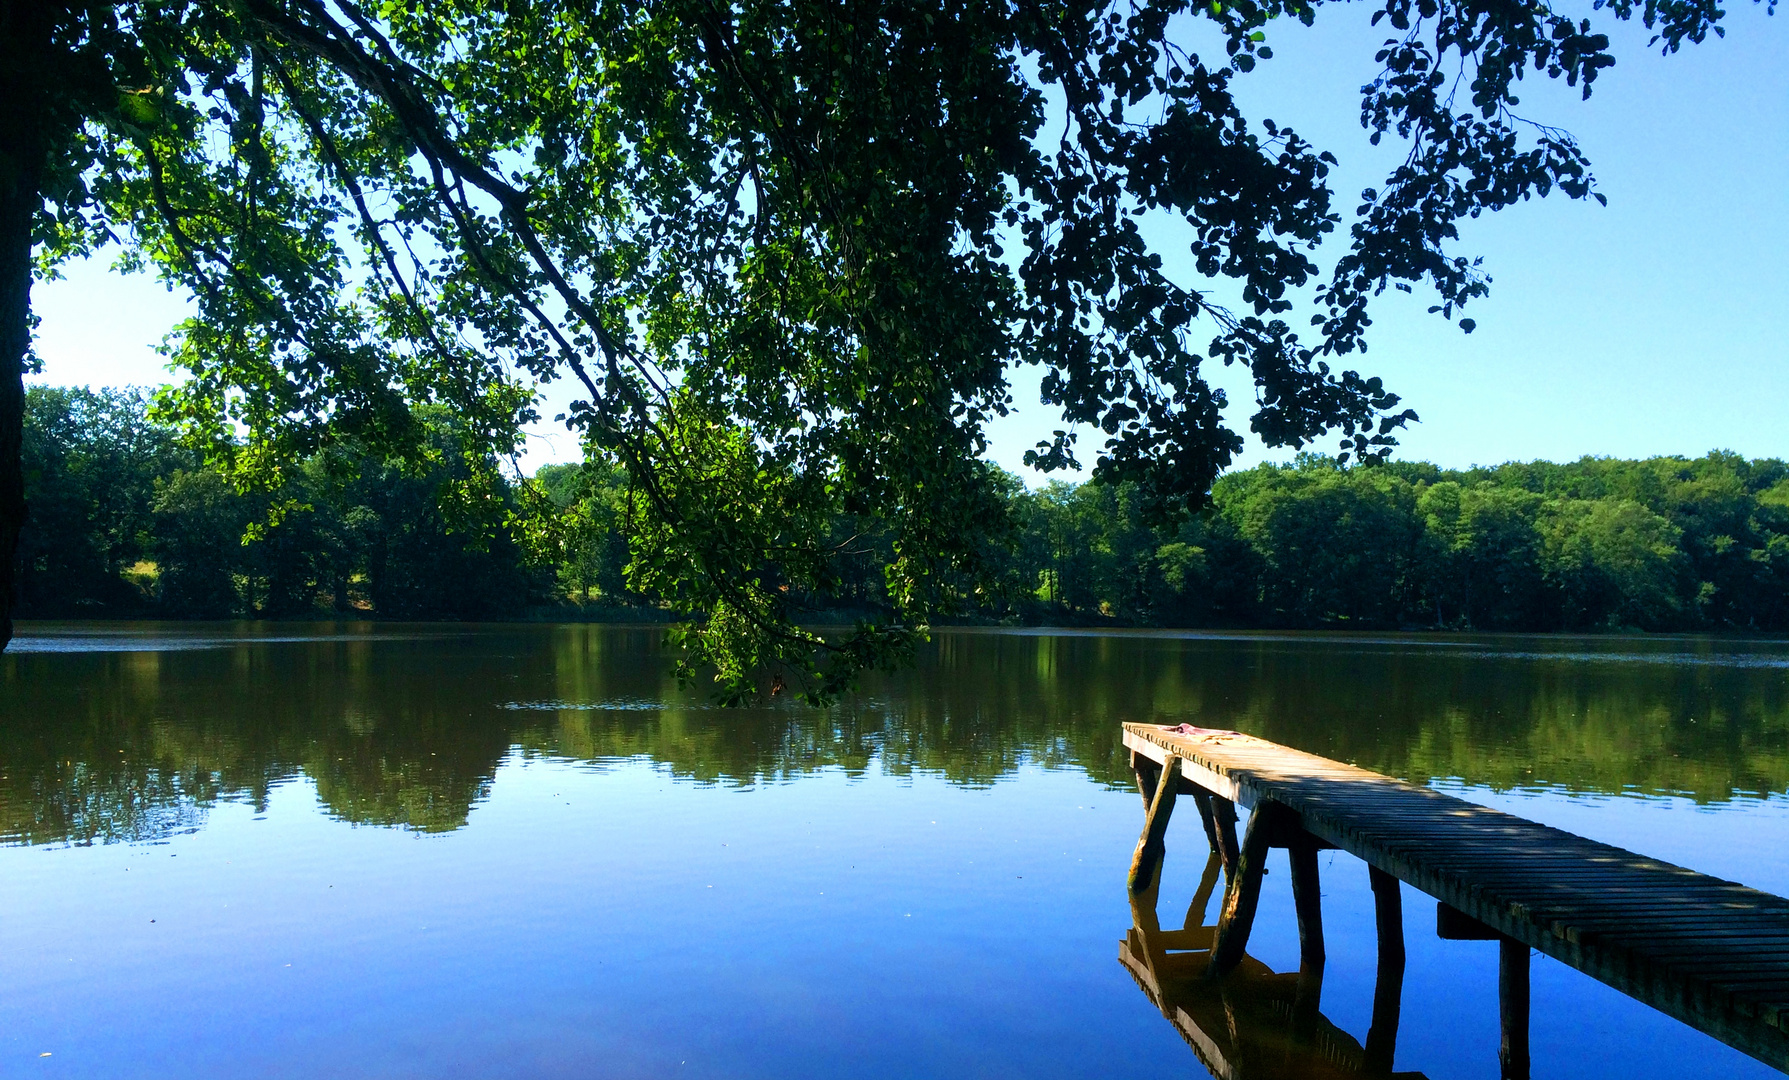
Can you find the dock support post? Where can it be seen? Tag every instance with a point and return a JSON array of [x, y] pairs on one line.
[[1147, 773], [1202, 799], [1223, 816], [1244, 893], [1146, 863], [1307, 900], [1512, 1007], [1388, 983]]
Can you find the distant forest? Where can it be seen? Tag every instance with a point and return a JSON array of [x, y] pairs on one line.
[[126, 522]]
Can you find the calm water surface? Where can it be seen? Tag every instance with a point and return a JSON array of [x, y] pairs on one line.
[[441, 851]]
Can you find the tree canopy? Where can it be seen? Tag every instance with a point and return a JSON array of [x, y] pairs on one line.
[[788, 252]]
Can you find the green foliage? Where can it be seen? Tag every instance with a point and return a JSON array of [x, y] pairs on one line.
[[1482, 554], [143, 528], [769, 242], [587, 543], [92, 463], [198, 545], [1598, 544], [1615, 563], [1336, 545]]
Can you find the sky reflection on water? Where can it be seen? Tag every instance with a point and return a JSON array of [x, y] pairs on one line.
[[573, 868]]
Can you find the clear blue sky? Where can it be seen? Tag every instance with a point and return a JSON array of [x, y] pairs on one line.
[[1655, 325]]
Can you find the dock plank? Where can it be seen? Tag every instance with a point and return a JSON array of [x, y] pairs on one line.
[[1712, 953]]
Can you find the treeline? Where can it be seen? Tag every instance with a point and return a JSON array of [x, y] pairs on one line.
[[1597, 544], [125, 521]]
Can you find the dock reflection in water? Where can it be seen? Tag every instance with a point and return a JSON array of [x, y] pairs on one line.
[[1255, 1023]]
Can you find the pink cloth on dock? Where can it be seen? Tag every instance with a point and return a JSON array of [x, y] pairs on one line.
[[1188, 729]]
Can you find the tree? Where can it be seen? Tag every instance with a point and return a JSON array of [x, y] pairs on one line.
[[1336, 544], [768, 241], [1616, 564], [1482, 554], [198, 545], [591, 550], [91, 460]]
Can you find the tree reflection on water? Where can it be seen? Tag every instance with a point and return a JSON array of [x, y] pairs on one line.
[[119, 732]]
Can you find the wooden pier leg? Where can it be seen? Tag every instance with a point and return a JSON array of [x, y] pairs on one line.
[[1208, 883], [1202, 799], [1244, 893], [1388, 984], [1307, 900], [1512, 1007], [1223, 813], [1147, 773], [1147, 862]]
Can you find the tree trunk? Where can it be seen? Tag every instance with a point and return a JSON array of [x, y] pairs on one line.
[[25, 41]]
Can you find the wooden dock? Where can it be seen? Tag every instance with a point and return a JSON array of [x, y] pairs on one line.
[[1712, 953]]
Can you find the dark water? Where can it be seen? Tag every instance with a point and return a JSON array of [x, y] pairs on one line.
[[435, 851]]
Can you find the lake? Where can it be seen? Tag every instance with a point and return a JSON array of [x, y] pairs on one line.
[[391, 850]]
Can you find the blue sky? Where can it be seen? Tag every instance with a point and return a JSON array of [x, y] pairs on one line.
[[1652, 326]]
